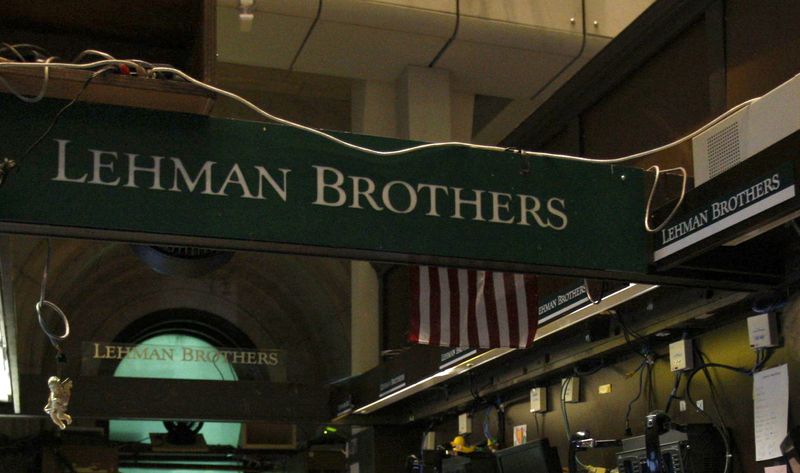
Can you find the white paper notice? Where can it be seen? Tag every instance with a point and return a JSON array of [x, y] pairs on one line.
[[771, 410]]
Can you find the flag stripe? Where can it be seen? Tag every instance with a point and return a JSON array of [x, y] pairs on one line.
[[531, 294], [482, 323], [513, 312], [415, 308], [467, 308], [444, 309], [424, 306], [522, 309], [501, 310], [463, 310], [435, 307], [491, 311], [472, 309], [455, 318]]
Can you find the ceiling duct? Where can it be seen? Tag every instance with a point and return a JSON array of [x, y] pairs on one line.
[[184, 261]]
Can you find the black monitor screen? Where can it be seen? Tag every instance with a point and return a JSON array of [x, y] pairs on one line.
[[532, 457]]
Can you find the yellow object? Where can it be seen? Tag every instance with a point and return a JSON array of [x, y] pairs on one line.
[[605, 389], [491, 445], [596, 469], [460, 445]]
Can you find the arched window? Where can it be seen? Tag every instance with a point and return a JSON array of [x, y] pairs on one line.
[[215, 433]]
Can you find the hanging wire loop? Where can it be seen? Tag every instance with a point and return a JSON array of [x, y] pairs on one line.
[[658, 171], [52, 336], [43, 302], [145, 69], [589, 293]]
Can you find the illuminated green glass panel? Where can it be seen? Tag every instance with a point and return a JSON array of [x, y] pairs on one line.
[[215, 433]]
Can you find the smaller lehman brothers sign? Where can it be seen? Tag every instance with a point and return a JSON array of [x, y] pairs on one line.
[[119, 352], [759, 195]]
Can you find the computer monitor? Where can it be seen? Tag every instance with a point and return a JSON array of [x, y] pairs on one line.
[[532, 457]]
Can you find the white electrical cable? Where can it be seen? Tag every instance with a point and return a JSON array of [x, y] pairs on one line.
[[153, 71], [43, 302], [92, 52], [87, 65], [411, 149], [42, 91], [663, 224]]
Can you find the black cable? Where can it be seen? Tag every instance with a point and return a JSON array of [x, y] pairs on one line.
[[628, 333], [765, 355], [674, 393], [308, 35], [638, 336], [58, 115], [565, 419], [714, 398], [574, 59], [221, 376], [713, 389], [563, 398], [640, 369], [720, 423], [650, 389], [590, 371], [451, 38], [723, 433], [501, 423], [474, 391]]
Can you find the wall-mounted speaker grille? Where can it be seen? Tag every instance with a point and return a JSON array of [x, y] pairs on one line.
[[724, 149]]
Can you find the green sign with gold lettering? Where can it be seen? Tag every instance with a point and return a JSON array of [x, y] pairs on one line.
[[140, 175]]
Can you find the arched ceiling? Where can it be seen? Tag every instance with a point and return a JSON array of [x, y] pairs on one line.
[[300, 304]]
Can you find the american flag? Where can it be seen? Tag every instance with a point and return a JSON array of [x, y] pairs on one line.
[[468, 308]]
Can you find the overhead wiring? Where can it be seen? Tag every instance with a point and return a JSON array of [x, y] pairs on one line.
[[565, 418], [718, 420], [14, 164], [574, 59], [92, 52], [171, 70], [45, 77], [640, 369], [677, 205], [144, 69], [13, 49], [632, 336], [55, 338], [35, 52], [674, 393], [308, 35], [451, 38]]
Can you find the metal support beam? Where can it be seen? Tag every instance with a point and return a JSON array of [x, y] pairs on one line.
[[672, 308], [177, 399]]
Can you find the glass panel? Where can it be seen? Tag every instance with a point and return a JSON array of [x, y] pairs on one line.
[[214, 433]]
